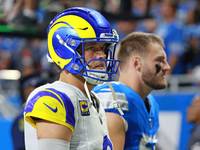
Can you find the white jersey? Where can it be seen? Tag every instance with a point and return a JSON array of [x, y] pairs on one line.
[[65, 104]]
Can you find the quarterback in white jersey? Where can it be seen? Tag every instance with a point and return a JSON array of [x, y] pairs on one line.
[[65, 104], [65, 115]]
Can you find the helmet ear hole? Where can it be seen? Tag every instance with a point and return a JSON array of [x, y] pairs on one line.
[[107, 50], [79, 50]]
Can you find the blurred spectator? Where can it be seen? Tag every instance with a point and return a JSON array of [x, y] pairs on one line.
[[192, 36], [112, 6], [171, 31], [21, 12], [184, 6], [5, 9], [193, 116], [124, 27], [191, 57], [155, 7], [139, 8], [27, 58], [22, 54], [94, 4], [27, 85], [4, 60], [149, 12], [8, 45], [27, 15]]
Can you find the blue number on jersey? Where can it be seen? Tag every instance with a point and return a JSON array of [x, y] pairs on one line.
[[106, 143]]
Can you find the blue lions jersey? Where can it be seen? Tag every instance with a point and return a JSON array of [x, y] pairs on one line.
[[142, 125]]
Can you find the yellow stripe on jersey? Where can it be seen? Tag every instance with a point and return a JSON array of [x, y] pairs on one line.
[[49, 108], [55, 94]]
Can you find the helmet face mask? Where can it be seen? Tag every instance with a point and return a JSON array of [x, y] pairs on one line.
[[69, 31], [108, 67]]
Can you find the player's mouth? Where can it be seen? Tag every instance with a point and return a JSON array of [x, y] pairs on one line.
[[164, 76], [100, 66]]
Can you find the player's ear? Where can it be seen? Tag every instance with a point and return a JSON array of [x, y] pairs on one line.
[[136, 62]]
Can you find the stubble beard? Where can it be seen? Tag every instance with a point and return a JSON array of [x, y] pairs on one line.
[[152, 80]]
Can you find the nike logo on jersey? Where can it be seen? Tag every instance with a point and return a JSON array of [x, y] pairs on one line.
[[52, 109]]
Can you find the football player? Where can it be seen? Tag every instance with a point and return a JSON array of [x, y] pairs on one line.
[[64, 115], [132, 112], [193, 117]]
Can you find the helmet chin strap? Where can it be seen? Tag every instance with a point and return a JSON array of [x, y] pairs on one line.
[[103, 76]]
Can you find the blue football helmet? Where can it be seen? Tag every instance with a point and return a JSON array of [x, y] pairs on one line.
[[67, 33]]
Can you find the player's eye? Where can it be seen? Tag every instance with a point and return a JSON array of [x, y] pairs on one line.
[[90, 48], [103, 48], [160, 59]]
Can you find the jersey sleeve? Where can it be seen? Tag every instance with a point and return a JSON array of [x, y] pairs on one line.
[[51, 105], [105, 95]]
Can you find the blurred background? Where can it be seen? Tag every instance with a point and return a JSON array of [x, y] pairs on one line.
[[23, 49]]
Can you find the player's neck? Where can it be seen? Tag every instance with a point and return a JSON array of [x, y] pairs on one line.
[[143, 90], [197, 122], [169, 19], [75, 80], [137, 85]]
